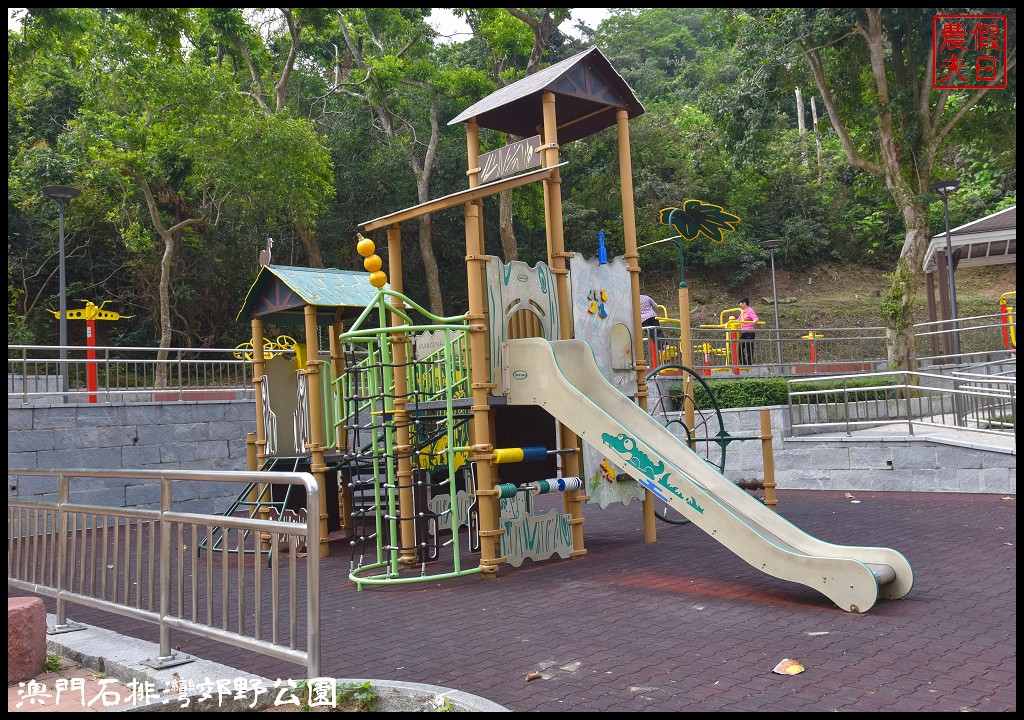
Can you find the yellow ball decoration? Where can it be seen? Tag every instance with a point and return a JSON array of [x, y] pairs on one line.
[[365, 247], [378, 279], [372, 263]]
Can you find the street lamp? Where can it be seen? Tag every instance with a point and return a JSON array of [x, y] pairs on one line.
[[62, 195], [944, 188], [771, 246]]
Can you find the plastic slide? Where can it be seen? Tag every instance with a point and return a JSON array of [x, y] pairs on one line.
[[564, 378]]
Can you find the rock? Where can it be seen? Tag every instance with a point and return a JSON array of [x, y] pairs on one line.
[[26, 638]]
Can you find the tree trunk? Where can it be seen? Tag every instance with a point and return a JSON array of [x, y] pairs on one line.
[[817, 136], [801, 128], [430, 266], [309, 243], [423, 174], [899, 306], [160, 373], [509, 243]]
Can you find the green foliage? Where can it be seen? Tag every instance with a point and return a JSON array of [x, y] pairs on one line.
[[187, 98], [898, 303], [363, 695], [53, 664], [758, 392]]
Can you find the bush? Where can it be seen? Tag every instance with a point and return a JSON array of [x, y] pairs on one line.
[[760, 392]]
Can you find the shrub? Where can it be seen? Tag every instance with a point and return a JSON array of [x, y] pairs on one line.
[[760, 392]]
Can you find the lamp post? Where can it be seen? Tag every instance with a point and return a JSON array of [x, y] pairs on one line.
[[62, 195], [771, 246], [944, 188]]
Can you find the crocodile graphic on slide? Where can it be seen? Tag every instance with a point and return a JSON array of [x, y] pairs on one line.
[[638, 459]]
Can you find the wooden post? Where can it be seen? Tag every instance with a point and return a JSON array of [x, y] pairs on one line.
[[768, 458], [259, 372], [481, 427], [632, 257], [340, 435], [316, 427], [403, 440], [572, 500]]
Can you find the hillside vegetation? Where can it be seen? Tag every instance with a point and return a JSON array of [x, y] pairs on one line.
[[826, 296]]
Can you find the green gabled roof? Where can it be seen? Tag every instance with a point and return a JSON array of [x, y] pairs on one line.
[[280, 293]]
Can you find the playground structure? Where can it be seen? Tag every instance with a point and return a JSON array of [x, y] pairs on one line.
[[431, 437]]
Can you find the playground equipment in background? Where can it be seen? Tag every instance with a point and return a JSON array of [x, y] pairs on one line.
[[708, 350], [412, 418], [91, 313], [283, 343], [811, 336], [1008, 320], [732, 326]]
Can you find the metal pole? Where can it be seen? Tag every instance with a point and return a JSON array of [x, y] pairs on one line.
[[62, 194], [63, 309], [775, 299], [952, 285]]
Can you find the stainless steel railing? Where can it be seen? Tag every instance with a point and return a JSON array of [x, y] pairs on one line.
[[203, 574], [986, 404], [715, 351], [119, 375]]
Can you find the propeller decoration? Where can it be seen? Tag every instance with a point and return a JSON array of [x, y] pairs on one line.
[[697, 218]]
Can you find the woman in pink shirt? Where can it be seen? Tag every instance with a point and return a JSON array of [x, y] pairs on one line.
[[747, 319]]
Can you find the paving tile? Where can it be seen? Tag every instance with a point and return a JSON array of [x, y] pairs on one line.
[[682, 624]]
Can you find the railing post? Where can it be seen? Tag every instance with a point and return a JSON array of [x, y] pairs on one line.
[[63, 494], [313, 582], [907, 391], [165, 570], [846, 403], [24, 376]]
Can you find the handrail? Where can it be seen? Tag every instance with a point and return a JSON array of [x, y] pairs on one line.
[[127, 374], [984, 404], [149, 564]]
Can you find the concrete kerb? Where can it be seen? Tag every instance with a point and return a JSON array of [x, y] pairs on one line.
[[121, 658]]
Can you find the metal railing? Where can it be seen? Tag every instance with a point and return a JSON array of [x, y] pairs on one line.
[[825, 349], [152, 565], [118, 375], [981, 403]]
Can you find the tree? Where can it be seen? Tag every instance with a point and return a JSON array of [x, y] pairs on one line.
[[892, 123], [508, 43], [396, 74], [266, 74], [188, 146]]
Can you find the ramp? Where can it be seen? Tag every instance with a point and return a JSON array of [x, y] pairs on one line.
[[564, 378]]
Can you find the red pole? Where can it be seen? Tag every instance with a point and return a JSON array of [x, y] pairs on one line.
[[90, 338], [812, 348], [735, 353]]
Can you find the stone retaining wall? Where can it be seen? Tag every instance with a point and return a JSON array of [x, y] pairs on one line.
[[139, 436], [211, 436]]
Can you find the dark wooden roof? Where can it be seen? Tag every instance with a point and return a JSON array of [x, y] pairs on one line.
[[588, 90]]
